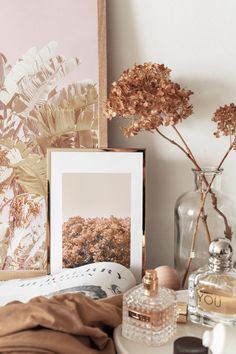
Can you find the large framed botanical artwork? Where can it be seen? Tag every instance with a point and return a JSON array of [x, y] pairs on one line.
[[52, 86]]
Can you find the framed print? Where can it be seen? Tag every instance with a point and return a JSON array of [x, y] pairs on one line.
[[96, 207], [52, 85]]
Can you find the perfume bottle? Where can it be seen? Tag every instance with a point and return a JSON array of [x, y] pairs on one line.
[[149, 312], [212, 288]]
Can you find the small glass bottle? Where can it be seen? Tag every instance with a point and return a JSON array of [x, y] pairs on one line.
[[149, 312], [212, 288]]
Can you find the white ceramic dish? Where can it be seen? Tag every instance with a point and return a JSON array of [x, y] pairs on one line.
[[125, 346]]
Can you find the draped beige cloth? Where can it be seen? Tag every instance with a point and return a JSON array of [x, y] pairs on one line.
[[64, 324]]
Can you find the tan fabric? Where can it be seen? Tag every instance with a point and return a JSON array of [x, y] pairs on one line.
[[64, 324]]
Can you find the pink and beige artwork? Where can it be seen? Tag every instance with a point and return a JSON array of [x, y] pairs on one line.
[[48, 98]]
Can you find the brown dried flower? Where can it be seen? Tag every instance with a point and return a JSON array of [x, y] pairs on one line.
[[146, 91], [225, 117], [4, 160], [95, 240], [22, 209]]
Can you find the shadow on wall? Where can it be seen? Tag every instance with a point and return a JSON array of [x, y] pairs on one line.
[[117, 43], [206, 93], [167, 180]]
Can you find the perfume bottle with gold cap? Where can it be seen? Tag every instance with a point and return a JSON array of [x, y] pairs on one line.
[[212, 289], [149, 312]]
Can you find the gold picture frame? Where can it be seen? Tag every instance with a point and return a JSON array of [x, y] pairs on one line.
[[31, 116]]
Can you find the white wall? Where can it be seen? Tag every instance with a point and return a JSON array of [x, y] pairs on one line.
[[197, 40]]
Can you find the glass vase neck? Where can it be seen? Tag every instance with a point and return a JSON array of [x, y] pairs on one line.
[[206, 176]]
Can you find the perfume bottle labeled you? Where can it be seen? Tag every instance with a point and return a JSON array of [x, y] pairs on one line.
[[212, 289], [149, 312]]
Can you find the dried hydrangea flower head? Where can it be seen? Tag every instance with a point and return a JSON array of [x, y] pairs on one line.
[[225, 117], [146, 92]]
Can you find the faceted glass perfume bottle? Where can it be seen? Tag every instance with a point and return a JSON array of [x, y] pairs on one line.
[[212, 288], [149, 312]]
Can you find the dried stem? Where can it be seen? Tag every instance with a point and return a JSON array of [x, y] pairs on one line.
[[208, 236], [186, 152], [192, 244], [186, 145], [191, 157], [228, 231], [204, 216], [225, 155], [194, 240]]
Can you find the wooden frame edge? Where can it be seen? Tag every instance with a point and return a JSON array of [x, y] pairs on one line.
[[102, 73], [21, 274]]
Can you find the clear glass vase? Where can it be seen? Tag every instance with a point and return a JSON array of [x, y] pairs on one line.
[[201, 215]]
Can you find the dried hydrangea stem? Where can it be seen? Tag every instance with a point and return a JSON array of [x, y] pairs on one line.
[[226, 154], [205, 224], [194, 237], [204, 216], [228, 230], [193, 242], [201, 214], [190, 155], [187, 153], [185, 144]]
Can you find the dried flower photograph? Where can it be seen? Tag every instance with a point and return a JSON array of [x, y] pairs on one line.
[[96, 208], [96, 218]]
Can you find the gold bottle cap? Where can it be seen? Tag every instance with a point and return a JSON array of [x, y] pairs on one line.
[[150, 275], [182, 312], [150, 281]]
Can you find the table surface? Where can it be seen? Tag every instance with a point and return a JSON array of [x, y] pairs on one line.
[[125, 346]]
